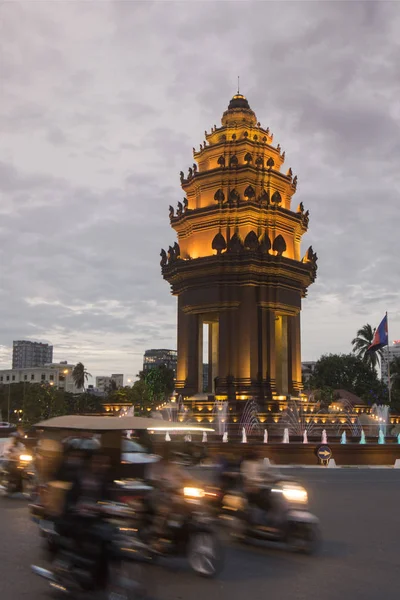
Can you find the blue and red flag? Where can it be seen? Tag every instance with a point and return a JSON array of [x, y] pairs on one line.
[[381, 336]]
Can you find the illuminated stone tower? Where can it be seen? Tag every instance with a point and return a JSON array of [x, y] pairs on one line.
[[237, 268]]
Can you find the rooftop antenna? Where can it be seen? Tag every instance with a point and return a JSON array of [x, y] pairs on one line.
[[238, 85]]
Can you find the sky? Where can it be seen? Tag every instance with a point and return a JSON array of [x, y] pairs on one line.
[[100, 106]]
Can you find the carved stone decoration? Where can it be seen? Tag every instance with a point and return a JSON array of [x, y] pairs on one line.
[[248, 158], [164, 258], [251, 241], [233, 196], [260, 162], [270, 162], [201, 147], [234, 136], [205, 133], [194, 150], [249, 192], [177, 250], [171, 212], [264, 198], [233, 161], [219, 196], [265, 243], [300, 208], [171, 254], [194, 168], [276, 198], [205, 143], [306, 218], [182, 176], [267, 130], [179, 210], [289, 172], [221, 161], [246, 134], [255, 138], [295, 181], [279, 245], [235, 243], [185, 204], [190, 173], [278, 148], [219, 243], [311, 256], [264, 139], [283, 155]]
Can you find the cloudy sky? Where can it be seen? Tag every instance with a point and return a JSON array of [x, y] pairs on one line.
[[100, 106]]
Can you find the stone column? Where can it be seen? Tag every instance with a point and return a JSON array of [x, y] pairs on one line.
[[295, 376], [270, 350], [213, 349]]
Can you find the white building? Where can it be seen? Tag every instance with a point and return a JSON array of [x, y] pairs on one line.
[[389, 352], [58, 375], [103, 382], [307, 370]]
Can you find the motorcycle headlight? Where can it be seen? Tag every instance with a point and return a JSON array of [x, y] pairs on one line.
[[193, 492], [295, 493], [26, 457]]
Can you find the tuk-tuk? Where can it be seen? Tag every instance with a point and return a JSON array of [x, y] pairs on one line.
[[126, 476]]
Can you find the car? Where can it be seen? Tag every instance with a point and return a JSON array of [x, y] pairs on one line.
[[132, 452]]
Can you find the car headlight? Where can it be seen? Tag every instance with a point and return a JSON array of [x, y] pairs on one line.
[[295, 493], [26, 457], [193, 492]]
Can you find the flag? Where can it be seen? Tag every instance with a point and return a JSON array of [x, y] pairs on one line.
[[381, 337]]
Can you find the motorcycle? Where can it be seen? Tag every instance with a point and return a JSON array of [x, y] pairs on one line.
[[102, 559], [19, 476], [287, 519], [189, 531]]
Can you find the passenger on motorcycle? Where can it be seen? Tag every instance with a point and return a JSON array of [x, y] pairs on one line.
[[257, 477]]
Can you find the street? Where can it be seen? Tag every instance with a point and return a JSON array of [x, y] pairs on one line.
[[358, 509]]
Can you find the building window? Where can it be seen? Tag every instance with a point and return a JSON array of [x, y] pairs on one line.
[[32, 376], [13, 377], [1, 378], [8, 378], [51, 377], [25, 377], [43, 376]]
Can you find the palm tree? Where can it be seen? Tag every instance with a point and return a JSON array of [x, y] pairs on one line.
[[80, 375], [364, 338]]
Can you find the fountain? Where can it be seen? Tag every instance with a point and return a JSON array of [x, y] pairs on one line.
[[285, 436], [381, 437], [362, 439], [167, 437], [380, 412], [305, 437], [221, 412], [266, 436], [249, 419], [324, 437], [244, 436], [343, 439], [398, 438], [297, 419], [188, 437], [204, 440], [225, 437]]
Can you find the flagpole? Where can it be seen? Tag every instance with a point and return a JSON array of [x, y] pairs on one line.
[[388, 361]]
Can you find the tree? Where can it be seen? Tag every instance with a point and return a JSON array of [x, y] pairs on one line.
[[361, 342], [160, 382], [41, 402], [348, 372], [80, 375]]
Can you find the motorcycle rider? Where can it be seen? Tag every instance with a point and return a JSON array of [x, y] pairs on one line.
[[12, 454], [257, 475]]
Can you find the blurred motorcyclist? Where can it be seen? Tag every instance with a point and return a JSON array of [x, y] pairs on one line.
[[257, 476], [16, 448]]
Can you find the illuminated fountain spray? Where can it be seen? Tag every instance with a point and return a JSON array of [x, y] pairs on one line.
[[343, 439], [225, 437], [266, 436], [305, 438], [249, 420], [324, 437], [362, 438], [398, 438], [381, 437], [204, 440], [297, 420], [244, 436], [285, 436], [380, 412], [221, 412]]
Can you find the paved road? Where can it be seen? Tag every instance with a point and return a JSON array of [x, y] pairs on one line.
[[360, 559]]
